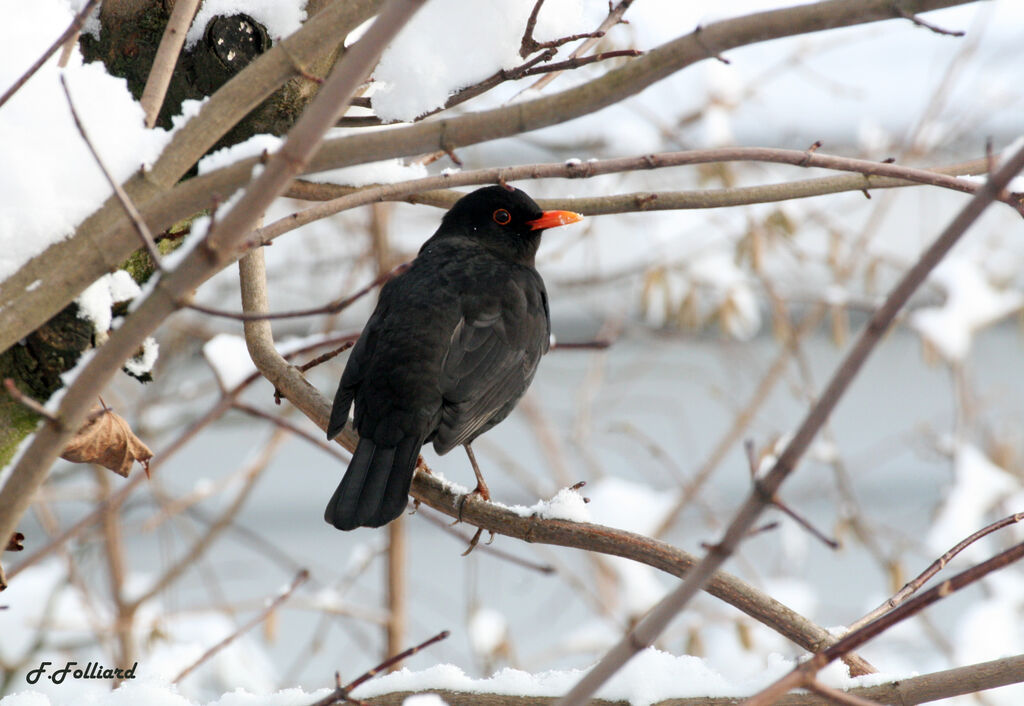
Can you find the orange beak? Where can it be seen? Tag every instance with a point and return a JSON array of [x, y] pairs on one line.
[[553, 219]]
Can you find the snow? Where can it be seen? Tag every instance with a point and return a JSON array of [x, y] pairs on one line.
[[143, 363], [979, 485], [253, 147], [157, 693], [424, 700], [567, 504], [419, 70], [43, 596], [984, 633], [651, 676], [229, 357], [972, 303], [387, 171], [615, 502], [95, 301], [488, 630], [47, 192], [280, 17]]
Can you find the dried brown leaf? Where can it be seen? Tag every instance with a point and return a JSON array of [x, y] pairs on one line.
[[107, 439]]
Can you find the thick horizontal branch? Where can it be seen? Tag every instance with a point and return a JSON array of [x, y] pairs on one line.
[[872, 172], [668, 200]]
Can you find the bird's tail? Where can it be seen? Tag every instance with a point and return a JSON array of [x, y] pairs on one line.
[[375, 488]]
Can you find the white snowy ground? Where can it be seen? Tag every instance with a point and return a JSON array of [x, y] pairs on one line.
[[49, 184]]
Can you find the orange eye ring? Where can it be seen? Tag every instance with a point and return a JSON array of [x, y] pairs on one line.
[[502, 217]]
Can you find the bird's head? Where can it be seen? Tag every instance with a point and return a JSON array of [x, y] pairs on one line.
[[503, 219]]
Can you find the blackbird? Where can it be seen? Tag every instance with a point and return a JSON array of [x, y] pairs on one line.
[[451, 347]]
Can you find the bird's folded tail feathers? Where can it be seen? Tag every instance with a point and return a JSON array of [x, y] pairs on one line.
[[375, 488]]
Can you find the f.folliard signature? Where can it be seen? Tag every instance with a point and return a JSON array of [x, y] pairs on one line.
[[91, 670]]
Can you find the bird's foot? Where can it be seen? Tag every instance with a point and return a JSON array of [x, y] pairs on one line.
[[480, 491], [476, 540]]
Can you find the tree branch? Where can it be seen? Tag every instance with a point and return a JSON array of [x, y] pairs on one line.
[[166, 57], [74, 28], [857, 638], [631, 202]]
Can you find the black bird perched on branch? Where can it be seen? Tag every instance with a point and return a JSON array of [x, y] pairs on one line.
[[451, 347]]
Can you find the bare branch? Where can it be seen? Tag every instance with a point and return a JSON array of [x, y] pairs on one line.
[[638, 202], [330, 308], [166, 57], [853, 640], [27, 402], [614, 17], [935, 567], [341, 693], [300, 578], [528, 45], [126, 202], [923, 23], [74, 28]]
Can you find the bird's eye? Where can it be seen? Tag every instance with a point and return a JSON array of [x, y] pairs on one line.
[[502, 217]]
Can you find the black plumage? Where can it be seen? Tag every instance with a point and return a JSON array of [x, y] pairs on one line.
[[450, 348]]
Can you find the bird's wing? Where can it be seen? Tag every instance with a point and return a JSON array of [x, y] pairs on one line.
[[491, 360], [355, 370]]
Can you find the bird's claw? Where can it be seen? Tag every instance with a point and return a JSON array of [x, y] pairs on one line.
[[476, 540]]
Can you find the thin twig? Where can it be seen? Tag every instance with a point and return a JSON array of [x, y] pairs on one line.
[[576, 62], [329, 308], [935, 567], [332, 449], [614, 17], [801, 674], [122, 197], [528, 44], [805, 523], [321, 359], [300, 578], [27, 402], [927, 25], [595, 345], [401, 656], [74, 28], [838, 696], [166, 57], [341, 693]]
